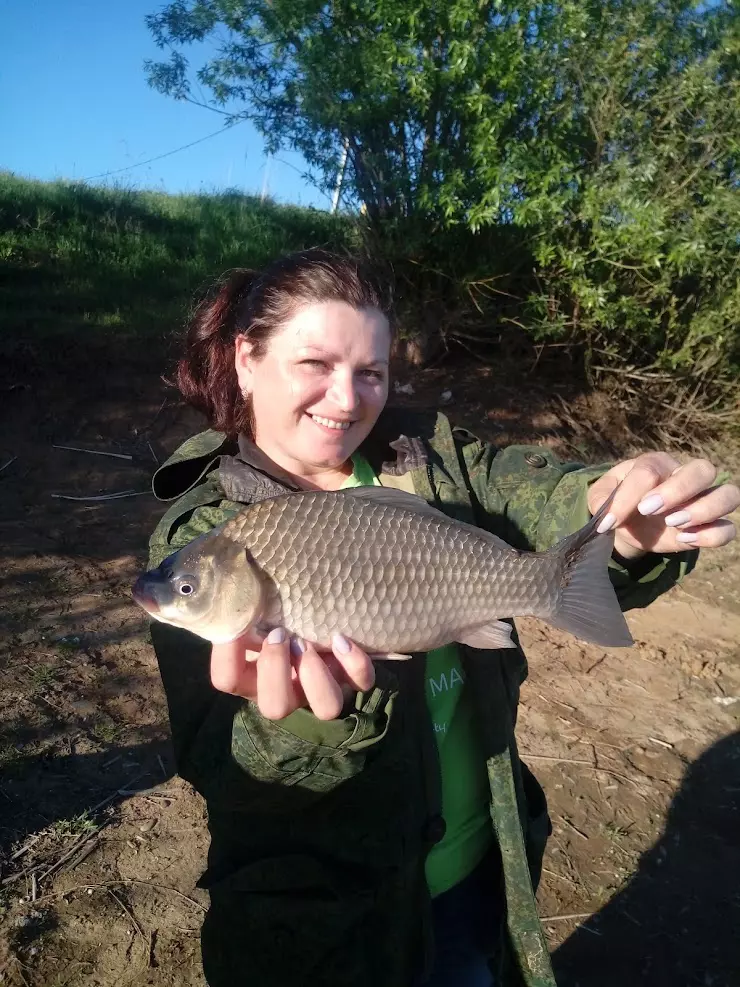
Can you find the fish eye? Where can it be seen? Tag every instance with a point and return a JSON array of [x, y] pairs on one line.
[[186, 585]]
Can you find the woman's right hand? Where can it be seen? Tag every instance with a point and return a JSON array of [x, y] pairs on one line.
[[284, 674]]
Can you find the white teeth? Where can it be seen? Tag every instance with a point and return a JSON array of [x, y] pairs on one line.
[[340, 426]]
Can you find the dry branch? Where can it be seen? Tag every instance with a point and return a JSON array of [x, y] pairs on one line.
[[95, 452], [113, 496], [122, 883]]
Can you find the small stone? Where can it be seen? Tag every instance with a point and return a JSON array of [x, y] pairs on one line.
[[147, 826]]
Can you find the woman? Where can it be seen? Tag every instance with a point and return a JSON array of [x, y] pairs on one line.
[[372, 824]]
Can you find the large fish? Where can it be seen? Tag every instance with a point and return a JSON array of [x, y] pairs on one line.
[[383, 568]]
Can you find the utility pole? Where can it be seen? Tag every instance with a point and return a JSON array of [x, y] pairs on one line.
[[340, 176]]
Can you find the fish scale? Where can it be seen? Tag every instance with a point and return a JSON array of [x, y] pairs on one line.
[[337, 565]]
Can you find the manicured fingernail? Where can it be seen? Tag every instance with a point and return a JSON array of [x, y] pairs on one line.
[[678, 517], [650, 504], [607, 523], [276, 635], [341, 644], [297, 646], [686, 536]]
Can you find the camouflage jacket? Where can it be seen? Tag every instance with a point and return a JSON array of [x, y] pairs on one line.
[[319, 830]]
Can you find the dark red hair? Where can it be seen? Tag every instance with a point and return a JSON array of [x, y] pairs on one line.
[[256, 304]]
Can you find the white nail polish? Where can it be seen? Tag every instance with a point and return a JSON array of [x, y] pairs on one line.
[[678, 517], [650, 504], [341, 644], [606, 523], [686, 536], [276, 635]]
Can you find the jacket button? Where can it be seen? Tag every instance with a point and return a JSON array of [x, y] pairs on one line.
[[435, 829], [535, 459]]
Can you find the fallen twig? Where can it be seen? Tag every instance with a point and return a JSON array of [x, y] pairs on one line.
[[661, 743], [5, 465], [154, 455], [560, 877], [25, 847], [130, 914], [566, 918], [565, 760], [20, 971], [95, 452], [122, 883], [146, 793], [72, 852], [113, 496], [84, 853], [575, 829]]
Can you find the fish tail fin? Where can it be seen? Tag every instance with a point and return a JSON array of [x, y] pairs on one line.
[[587, 605]]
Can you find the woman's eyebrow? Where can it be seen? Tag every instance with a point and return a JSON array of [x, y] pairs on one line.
[[316, 348]]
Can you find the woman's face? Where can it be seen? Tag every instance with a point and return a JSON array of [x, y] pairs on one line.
[[319, 388]]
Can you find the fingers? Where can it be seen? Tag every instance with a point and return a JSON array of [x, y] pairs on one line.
[[685, 483], [712, 535], [285, 675], [705, 508], [640, 479], [323, 692], [277, 696], [356, 665], [230, 672]]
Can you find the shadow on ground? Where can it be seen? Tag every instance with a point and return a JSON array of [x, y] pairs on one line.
[[675, 923], [47, 791]]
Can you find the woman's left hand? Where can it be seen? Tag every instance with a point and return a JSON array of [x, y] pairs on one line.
[[664, 506]]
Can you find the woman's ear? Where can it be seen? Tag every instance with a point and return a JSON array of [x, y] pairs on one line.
[[244, 363]]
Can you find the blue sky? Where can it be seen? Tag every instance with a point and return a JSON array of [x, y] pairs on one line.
[[75, 103]]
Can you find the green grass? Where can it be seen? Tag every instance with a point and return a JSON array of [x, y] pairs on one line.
[[42, 677], [75, 826], [76, 257]]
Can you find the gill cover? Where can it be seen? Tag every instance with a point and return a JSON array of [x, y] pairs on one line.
[[209, 587]]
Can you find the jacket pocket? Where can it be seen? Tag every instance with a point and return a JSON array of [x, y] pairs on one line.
[[269, 752]]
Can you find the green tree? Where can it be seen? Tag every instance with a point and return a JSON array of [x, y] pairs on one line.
[[595, 141]]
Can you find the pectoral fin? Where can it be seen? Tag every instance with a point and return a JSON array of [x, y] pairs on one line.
[[389, 656], [497, 634]]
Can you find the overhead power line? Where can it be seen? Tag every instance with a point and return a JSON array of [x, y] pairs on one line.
[[167, 154]]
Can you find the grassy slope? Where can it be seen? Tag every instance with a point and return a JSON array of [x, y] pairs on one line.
[[73, 257]]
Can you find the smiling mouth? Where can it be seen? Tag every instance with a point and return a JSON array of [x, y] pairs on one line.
[[333, 423]]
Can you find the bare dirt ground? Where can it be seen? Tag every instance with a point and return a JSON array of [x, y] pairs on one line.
[[101, 846]]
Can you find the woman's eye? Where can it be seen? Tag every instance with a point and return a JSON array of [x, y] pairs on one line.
[[313, 364], [373, 374]]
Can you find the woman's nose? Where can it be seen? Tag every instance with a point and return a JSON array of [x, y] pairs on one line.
[[343, 392]]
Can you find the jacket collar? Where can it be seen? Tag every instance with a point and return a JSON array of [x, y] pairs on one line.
[[251, 475], [401, 441]]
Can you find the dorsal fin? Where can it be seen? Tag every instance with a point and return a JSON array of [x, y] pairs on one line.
[[391, 497]]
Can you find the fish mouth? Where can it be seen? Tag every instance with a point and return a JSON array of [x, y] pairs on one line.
[[142, 593]]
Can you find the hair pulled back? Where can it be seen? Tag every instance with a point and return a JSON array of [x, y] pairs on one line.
[[255, 304]]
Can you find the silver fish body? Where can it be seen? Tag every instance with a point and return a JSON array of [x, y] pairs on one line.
[[383, 568]]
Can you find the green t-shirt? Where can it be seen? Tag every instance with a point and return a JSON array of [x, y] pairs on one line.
[[465, 794]]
